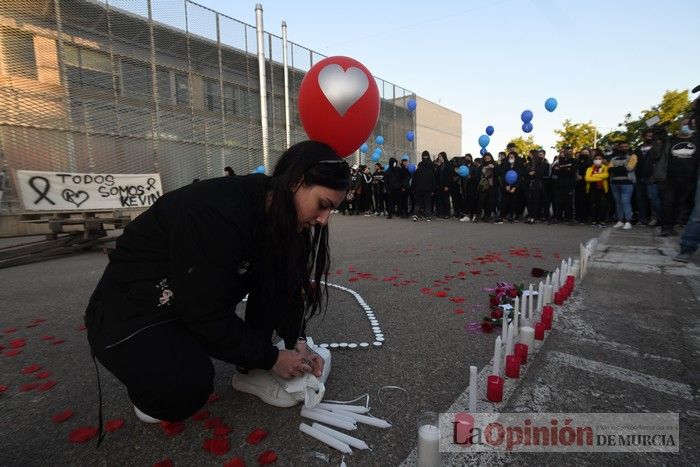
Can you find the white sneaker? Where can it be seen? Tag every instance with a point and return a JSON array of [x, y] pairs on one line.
[[627, 226], [143, 417], [271, 389], [618, 225], [465, 219]]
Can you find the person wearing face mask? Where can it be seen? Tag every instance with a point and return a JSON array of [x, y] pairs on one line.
[[682, 162], [596, 179], [423, 188], [565, 171], [622, 180], [537, 169], [486, 188], [470, 183], [581, 201], [443, 177], [646, 190], [510, 192], [690, 239]]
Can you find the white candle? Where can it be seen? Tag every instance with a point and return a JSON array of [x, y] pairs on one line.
[[497, 356], [555, 279], [563, 271], [339, 415], [347, 439], [516, 305], [329, 420], [540, 298], [428, 446], [325, 438], [527, 336], [569, 262], [530, 299], [374, 421], [472, 389], [504, 325], [346, 408], [548, 279], [509, 342], [516, 323]]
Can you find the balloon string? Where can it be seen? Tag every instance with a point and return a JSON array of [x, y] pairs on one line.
[[379, 396], [351, 401]]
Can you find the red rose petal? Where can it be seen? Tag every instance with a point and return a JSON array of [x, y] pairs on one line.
[[9, 330], [235, 462], [256, 436], [113, 425], [441, 294], [33, 325], [459, 311], [28, 387], [31, 369], [39, 320], [457, 299], [12, 352], [267, 457], [80, 328], [213, 422], [172, 428], [43, 374], [201, 415], [46, 386], [62, 416], [83, 434], [3, 388], [48, 337], [164, 463], [17, 343], [2, 346], [213, 397], [58, 341], [217, 446], [222, 430]]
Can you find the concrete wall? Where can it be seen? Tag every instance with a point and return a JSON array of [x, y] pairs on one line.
[[437, 129]]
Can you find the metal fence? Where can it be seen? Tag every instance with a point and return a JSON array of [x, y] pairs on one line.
[[141, 86]]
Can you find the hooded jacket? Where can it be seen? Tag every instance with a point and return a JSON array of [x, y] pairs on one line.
[[424, 178]]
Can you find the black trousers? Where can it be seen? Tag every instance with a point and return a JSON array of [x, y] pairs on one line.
[[597, 197], [563, 202], [675, 193], [167, 373], [509, 204], [424, 202], [533, 200]]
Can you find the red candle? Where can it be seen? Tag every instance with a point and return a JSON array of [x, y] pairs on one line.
[[558, 299], [547, 322], [513, 366], [547, 310], [539, 331], [521, 351], [494, 388], [571, 281]]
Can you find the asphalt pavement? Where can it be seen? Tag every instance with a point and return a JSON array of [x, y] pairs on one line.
[[425, 282]]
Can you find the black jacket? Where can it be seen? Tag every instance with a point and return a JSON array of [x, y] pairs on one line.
[[424, 178], [200, 243]]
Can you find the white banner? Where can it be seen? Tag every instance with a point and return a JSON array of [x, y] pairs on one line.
[[65, 191]]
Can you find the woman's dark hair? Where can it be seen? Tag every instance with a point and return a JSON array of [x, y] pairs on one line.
[[298, 261]]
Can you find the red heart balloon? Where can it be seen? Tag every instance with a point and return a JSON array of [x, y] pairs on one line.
[[339, 103]]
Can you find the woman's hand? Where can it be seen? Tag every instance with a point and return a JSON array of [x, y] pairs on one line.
[[314, 360], [291, 364]]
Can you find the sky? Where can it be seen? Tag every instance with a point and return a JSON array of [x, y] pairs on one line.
[[491, 59]]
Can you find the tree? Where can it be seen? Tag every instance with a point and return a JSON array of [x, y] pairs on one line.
[[674, 105], [524, 146], [578, 135]]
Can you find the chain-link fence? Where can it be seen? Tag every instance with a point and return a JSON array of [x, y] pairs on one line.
[[142, 86]]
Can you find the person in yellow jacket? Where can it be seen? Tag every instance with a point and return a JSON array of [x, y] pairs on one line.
[[597, 189]]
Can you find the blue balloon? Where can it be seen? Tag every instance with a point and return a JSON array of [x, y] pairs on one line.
[[527, 127], [511, 177], [489, 130], [379, 151], [550, 104], [386, 167], [463, 171], [260, 169], [405, 157], [526, 116], [410, 135], [483, 151], [380, 139], [484, 141], [364, 148], [411, 105], [411, 168], [376, 157]]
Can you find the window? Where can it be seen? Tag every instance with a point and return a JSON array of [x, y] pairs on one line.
[[88, 68], [136, 80], [182, 90], [165, 91], [18, 48], [232, 97]]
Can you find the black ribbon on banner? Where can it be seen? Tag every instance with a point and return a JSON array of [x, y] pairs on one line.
[[41, 191]]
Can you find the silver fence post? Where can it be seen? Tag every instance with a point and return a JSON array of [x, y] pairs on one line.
[[263, 86], [287, 123]]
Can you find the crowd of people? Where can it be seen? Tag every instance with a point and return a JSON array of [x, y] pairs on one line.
[[651, 184]]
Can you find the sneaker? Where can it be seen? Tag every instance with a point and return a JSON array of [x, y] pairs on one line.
[[428, 219], [627, 226], [682, 257], [652, 223], [143, 417], [618, 225], [415, 218], [498, 221], [465, 219]]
